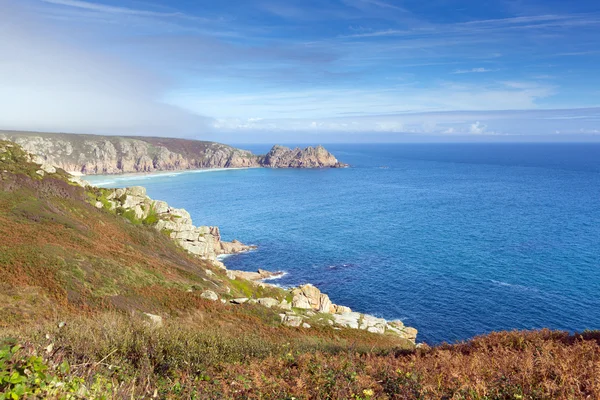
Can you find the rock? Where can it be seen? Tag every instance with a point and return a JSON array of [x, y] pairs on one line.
[[373, 324], [396, 324], [309, 297], [291, 320], [209, 295], [325, 305], [305, 325], [347, 320], [410, 334], [234, 247], [268, 302], [310, 157], [256, 276], [230, 275], [341, 309], [241, 300], [209, 272], [99, 205], [284, 305], [160, 207], [132, 201], [156, 319], [300, 301], [138, 191]]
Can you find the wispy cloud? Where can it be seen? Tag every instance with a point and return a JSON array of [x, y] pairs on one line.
[[85, 5], [488, 25], [473, 70]]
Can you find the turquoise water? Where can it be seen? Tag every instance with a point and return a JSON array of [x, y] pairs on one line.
[[454, 239]]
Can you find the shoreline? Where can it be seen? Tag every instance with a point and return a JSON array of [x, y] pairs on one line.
[[300, 303], [114, 178]]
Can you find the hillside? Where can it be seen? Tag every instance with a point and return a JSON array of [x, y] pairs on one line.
[[94, 154], [100, 299]]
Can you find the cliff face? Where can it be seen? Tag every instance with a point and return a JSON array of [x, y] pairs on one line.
[[91, 154], [202, 241]]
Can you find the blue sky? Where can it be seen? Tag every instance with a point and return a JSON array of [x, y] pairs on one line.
[[303, 70]]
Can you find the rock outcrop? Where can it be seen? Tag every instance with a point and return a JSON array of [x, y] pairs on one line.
[[260, 275], [308, 297], [310, 157], [202, 241], [92, 154]]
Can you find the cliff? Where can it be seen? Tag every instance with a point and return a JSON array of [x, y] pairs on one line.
[[92, 154]]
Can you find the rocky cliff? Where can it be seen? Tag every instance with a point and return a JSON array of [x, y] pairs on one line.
[[92, 154], [201, 241], [301, 305]]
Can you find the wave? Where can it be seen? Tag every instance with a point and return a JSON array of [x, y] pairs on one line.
[[276, 277], [514, 286]]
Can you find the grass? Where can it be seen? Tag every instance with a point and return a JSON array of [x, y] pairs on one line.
[[197, 358]]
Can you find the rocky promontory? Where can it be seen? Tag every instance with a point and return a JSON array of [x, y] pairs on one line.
[[201, 241], [93, 154], [302, 305], [310, 157]]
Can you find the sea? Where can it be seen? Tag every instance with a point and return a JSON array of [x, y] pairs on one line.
[[456, 240]]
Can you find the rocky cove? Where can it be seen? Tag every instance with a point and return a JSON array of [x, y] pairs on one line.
[[300, 304]]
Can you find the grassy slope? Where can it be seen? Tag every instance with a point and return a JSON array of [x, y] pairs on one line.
[[62, 259]]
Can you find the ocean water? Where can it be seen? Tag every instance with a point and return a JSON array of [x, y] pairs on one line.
[[454, 239]]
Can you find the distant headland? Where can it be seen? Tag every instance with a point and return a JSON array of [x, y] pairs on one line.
[[95, 154]]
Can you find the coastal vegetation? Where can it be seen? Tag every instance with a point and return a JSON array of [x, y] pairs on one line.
[[97, 303]]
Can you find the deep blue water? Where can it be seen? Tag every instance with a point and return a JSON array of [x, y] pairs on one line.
[[454, 239]]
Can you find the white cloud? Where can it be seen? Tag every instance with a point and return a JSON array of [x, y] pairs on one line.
[[477, 128], [473, 70]]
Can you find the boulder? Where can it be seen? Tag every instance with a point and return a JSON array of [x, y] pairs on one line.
[[347, 320], [241, 300], [310, 297], [209, 295], [268, 302], [291, 320]]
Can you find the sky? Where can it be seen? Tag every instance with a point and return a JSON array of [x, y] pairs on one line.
[[252, 71]]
